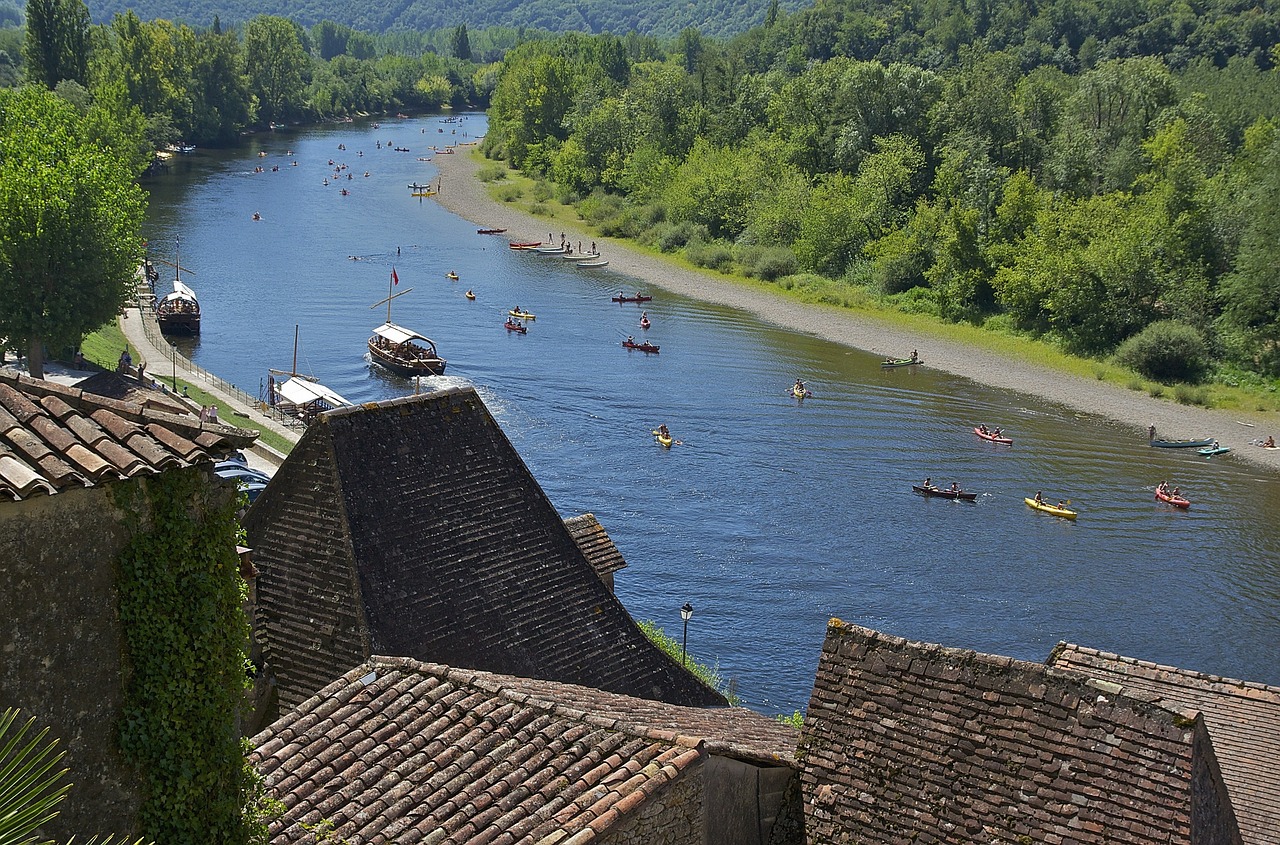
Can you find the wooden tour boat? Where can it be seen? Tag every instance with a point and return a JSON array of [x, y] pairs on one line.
[[400, 350], [300, 396], [178, 312]]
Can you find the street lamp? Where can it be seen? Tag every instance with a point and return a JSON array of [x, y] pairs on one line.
[[173, 356], [686, 613]]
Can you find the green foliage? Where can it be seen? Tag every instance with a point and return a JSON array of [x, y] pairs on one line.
[[1166, 351], [57, 43], [795, 720], [70, 220], [765, 262], [714, 255], [709, 675], [186, 639]]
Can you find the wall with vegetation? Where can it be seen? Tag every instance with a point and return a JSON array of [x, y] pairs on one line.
[[121, 627]]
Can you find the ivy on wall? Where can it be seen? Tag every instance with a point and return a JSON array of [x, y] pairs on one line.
[[186, 639]]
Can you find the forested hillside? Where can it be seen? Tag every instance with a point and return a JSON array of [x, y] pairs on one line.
[[1106, 178], [661, 18]]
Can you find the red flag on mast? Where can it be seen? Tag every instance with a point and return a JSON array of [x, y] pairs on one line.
[[395, 280]]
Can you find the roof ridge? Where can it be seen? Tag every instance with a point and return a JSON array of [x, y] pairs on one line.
[[1208, 677]]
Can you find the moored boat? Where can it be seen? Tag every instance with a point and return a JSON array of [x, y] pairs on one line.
[[490, 231], [580, 256], [178, 312], [300, 396], [1215, 449], [639, 297], [1063, 512], [943, 493], [889, 363], [549, 250], [524, 244], [993, 437], [603, 262], [1182, 444], [644, 346]]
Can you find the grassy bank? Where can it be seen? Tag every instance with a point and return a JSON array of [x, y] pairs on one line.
[[1245, 393]]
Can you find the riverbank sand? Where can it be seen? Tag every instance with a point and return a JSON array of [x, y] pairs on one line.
[[463, 194]]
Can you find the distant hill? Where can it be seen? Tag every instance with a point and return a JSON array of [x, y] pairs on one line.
[[660, 18]]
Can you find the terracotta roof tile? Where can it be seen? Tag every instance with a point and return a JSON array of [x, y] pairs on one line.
[[909, 741], [425, 753], [54, 437], [1242, 718]]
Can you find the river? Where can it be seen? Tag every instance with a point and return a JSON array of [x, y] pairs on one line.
[[771, 515]]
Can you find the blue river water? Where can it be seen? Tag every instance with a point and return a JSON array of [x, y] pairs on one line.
[[772, 515]]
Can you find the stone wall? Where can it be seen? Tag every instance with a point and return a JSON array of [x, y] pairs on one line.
[[675, 816], [60, 647]]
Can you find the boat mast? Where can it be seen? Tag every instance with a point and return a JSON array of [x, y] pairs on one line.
[[294, 371]]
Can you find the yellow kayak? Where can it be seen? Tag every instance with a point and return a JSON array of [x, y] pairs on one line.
[[523, 315], [1048, 508], [663, 439]]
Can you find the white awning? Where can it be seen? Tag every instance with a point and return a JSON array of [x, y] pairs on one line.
[[392, 333], [182, 290], [299, 391]]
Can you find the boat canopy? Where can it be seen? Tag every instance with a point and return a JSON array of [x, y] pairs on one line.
[[392, 333], [299, 391], [182, 290]]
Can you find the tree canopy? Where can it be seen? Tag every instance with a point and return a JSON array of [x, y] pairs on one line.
[[70, 221]]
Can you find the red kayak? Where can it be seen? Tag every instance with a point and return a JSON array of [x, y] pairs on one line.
[[643, 347], [525, 245], [515, 327], [986, 435], [1170, 499], [639, 297]]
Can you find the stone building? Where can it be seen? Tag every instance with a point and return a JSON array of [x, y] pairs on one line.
[[63, 454], [412, 528], [402, 751], [914, 742]]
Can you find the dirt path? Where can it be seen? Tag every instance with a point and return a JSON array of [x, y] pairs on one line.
[[465, 195]]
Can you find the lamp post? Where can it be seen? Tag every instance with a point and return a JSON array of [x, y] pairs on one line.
[[173, 356], [686, 613]]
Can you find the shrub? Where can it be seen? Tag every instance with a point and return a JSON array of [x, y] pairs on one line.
[[713, 255], [670, 237], [1166, 351], [491, 173], [540, 209], [509, 193], [600, 207], [766, 262], [542, 190], [1186, 394]]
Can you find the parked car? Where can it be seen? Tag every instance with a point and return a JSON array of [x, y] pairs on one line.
[[252, 489], [235, 472]]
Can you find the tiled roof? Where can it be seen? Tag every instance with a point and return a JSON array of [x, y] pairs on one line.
[[412, 527], [907, 741], [1243, 720], [54, 438], [397, 751], [112, 385], [599, 550]]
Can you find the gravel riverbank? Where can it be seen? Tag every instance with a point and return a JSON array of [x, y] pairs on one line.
[[462, 193]]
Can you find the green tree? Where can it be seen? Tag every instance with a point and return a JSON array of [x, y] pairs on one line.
[[57, 44], [460, 44], [275, 62], [70, 221]]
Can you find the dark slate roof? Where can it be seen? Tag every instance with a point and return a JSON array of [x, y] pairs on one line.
[[599, 550], [398, 751], [413, 528], [54, 438], [1243, 720], [907, 741], [112, 385]]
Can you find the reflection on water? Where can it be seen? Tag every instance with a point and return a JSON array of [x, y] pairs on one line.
[[772, 515]]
